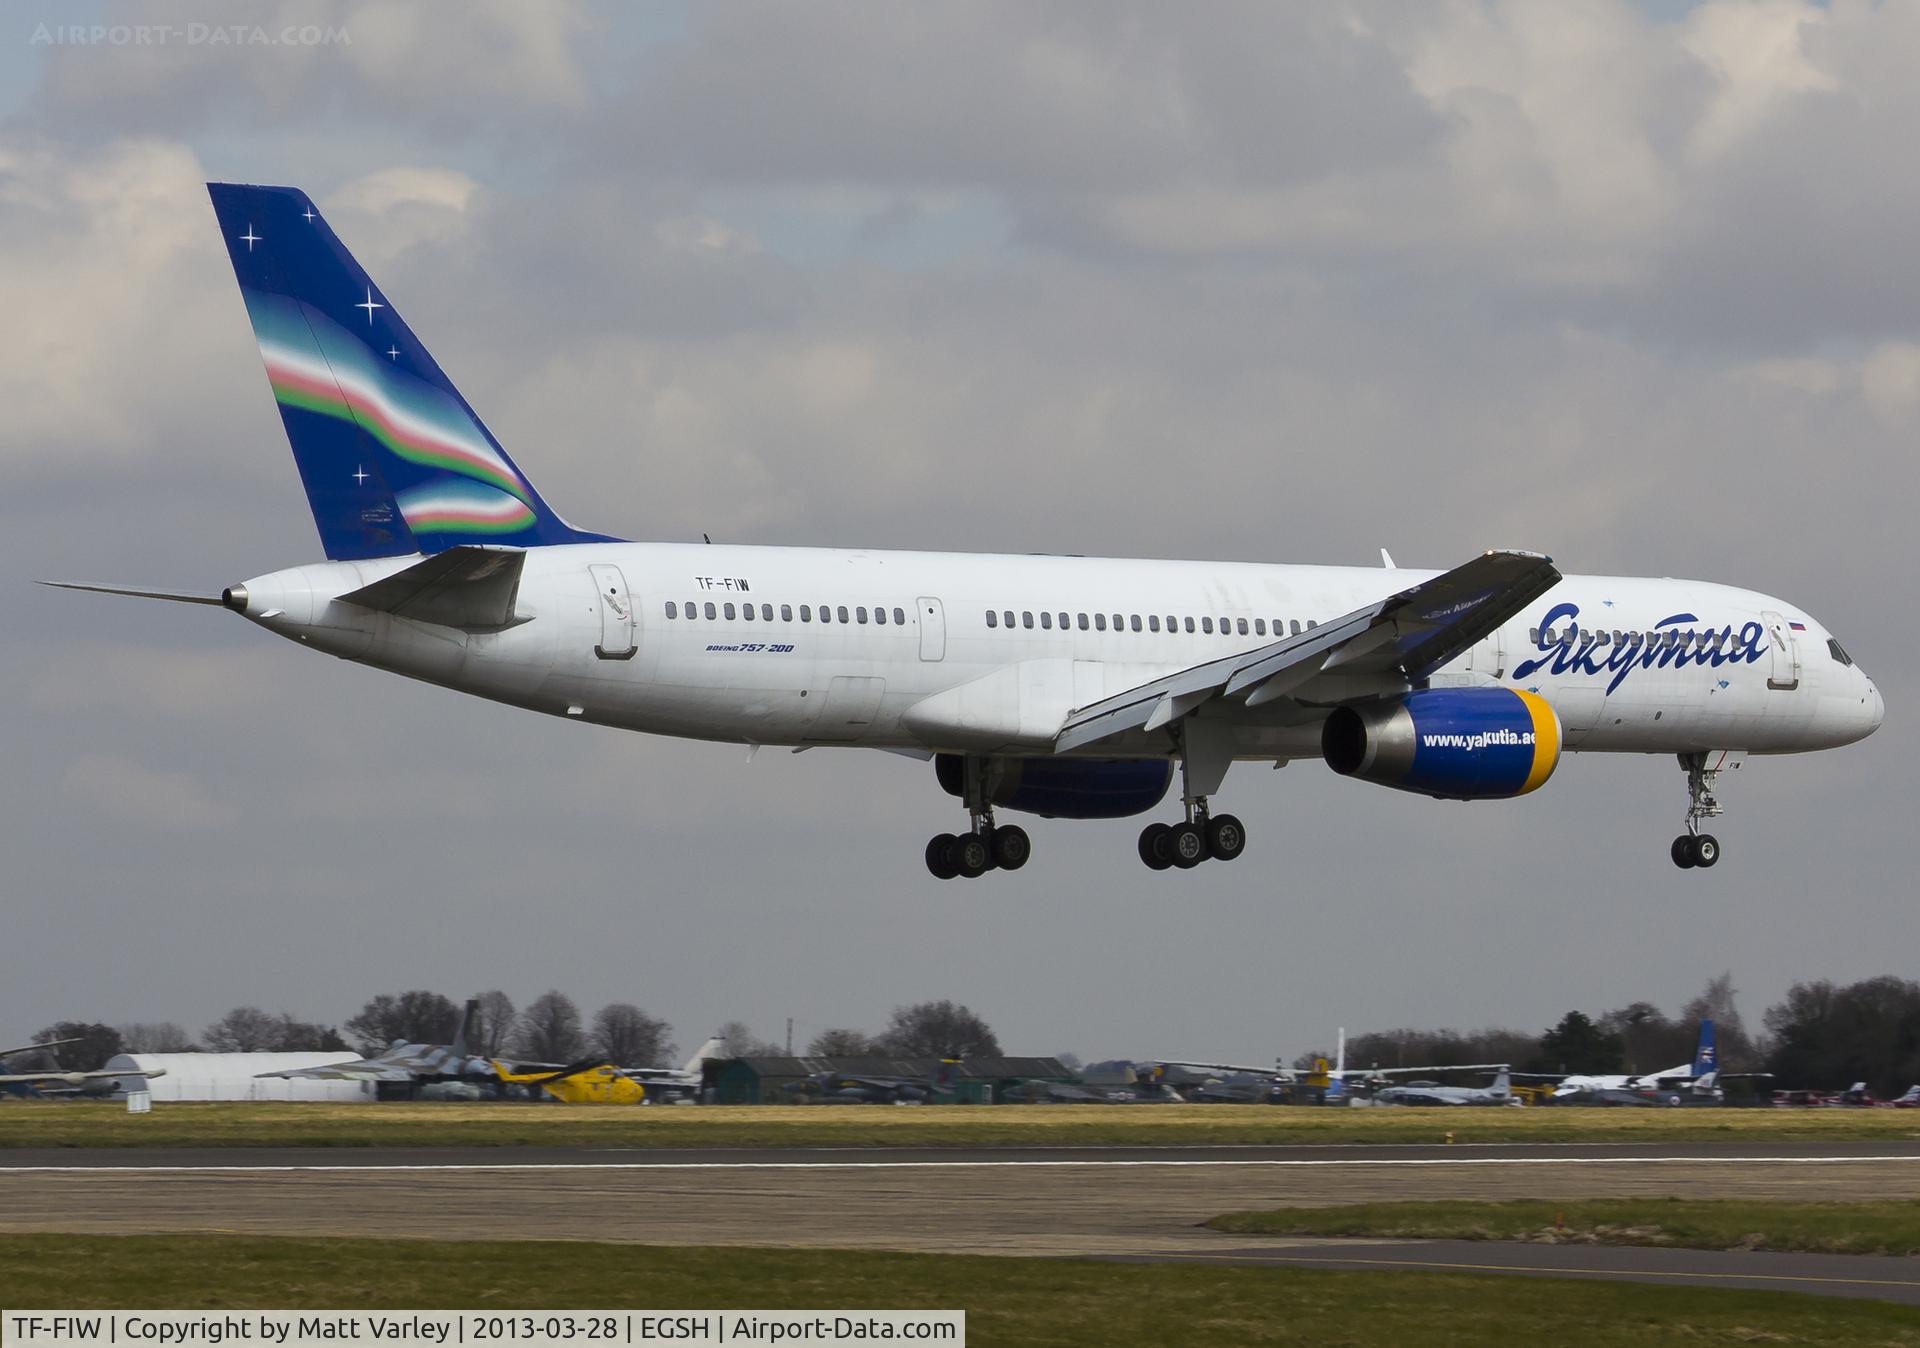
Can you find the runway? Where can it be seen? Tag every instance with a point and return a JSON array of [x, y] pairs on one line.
[[1127, 1202]]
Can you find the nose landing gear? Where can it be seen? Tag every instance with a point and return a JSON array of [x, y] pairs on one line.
[[1693, 848]]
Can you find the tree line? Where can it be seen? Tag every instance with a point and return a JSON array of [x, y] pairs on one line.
[[1821, 1036], [550, 1028]]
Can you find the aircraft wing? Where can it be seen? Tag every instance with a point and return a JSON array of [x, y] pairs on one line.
[[368, 1070], [76, 1078], [1411, 633]]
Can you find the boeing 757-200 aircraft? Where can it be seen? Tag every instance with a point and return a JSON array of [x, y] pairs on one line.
[[1067, 687]]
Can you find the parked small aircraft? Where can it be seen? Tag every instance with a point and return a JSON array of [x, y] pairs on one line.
[[54, 1081]]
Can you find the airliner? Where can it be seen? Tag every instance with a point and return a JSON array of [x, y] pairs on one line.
[[1059, 686]]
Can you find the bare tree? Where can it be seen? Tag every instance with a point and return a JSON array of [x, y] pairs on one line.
[[245, 1029], [492, 1024], [842, 1043], [939, 1030], [1738, 1052], [739, 1041], [419, 1017], [630, 1037], [549, 1029], [96, 1044], [157, 1036]]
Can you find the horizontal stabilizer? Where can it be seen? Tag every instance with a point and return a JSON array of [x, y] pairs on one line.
[[468, 587], [174, 596]]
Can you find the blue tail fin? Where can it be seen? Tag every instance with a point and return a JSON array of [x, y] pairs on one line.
[[1705, 1058], [393, 459]]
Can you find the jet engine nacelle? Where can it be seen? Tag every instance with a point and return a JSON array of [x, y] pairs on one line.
[[1453, 743], [1057, 788]]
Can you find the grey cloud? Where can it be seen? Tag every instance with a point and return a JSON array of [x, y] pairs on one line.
[[1430, 330]]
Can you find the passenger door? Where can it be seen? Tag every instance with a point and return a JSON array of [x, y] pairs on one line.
[[933, 628], [616, 613], [1785, 651]]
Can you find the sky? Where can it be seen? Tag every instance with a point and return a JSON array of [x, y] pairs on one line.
[[1629, 284]]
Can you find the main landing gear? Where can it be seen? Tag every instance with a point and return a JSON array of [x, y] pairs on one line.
[[1694, 848], [1203, 837], [984, 847], [1206, 750]]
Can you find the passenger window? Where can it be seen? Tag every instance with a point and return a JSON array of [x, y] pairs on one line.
[[880, 616], [861, 614], [1259, 627], [806, 613], [766, 613], [1133, 621], [1241, 624], [826, 614], [1100, 622], [1206, 625], [1296, 626], [1153, 622], [673, 609], [1083, 622], [712, 612], [728, 610], [993, 619], [1189, 624], [1026, 619], [900, 617], [840, 612], [1312, 623], [1046, 620], [786, 613]]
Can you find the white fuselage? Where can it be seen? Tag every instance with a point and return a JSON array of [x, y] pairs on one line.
[[987, 653]]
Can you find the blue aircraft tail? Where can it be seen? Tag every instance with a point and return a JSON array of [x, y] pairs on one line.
[[1705, 1057], [393, 459]]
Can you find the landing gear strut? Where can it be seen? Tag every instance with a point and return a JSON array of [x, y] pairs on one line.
[[1694, 848], [1205, 752], [985, 846]]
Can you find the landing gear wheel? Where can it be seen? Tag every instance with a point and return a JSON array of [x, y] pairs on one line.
[[1156, 846], [1226, 837], [1682, 852], [1706, 850], [940, 857], [1011, 847], [971, 855], [1188, 846]]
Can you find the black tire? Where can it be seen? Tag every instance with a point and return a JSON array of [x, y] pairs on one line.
[[940, 858], [1153, 846], [1226, 837], [971, 855], [1706, 850], [1187, 845], [1682, 852], [1011, 847]]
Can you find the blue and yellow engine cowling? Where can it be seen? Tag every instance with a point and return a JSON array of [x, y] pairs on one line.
[[1453, 743]]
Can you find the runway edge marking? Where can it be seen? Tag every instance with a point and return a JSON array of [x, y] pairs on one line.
[[463, 1166]]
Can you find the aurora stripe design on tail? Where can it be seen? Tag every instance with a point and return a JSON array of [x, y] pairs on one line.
[[410, 417], [393, 459]]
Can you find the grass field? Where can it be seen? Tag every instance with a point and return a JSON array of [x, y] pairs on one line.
[[1008, 1301], [26, 1123], [1828, 1228]]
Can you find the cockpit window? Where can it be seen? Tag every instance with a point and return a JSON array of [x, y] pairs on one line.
[[1838, 652]]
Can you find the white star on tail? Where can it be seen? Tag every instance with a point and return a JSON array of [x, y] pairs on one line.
[[370, 305], [251, 238]]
